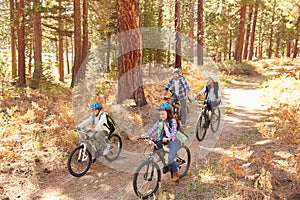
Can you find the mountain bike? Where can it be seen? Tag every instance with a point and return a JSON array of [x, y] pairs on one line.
[[82, 156], [147, 176], [204, 121]]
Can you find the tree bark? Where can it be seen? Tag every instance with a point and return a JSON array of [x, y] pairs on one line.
[[295, 53], [240, 37], [277, 47], [21, 44], [253, 32], [200, 33], [77, 42], [178, 37], [159, 52], [37, 26], [60, 44], [288, 50], [271, 31], [13, 38], [130, 85], [85, 41], [245, 54], [108, 52]]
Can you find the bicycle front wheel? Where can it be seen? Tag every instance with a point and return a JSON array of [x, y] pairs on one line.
[[79, 161], [115, 147], [183, 160], [215, 120], [146, 180], [200, 129]]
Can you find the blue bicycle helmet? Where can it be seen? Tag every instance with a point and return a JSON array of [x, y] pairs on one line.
[[96, 105], [164, 106]]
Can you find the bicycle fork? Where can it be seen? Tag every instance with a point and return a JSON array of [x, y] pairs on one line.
[[150, 165], [82, 156]]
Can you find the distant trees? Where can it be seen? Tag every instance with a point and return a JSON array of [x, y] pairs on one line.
[[239, 30]]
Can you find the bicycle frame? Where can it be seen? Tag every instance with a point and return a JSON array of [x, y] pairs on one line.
[[151, 156]]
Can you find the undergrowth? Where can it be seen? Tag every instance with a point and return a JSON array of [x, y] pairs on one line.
[[231, 67]]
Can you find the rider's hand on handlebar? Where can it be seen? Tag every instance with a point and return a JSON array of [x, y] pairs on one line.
[[145, 136]]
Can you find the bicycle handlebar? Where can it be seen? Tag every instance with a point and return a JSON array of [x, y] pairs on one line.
[[149, 138]]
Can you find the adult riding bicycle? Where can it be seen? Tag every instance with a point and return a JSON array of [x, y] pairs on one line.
[[82, 156], [147, 176], [207, 118]]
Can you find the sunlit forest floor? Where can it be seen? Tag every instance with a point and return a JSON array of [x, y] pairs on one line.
[[257, 154]]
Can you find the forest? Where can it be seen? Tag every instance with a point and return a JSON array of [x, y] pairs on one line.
[[57, 57]]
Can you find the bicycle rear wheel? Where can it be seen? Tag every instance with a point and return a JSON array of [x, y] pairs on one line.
[[146, 180], [200, 129], [79, 161], [115, 148], [183, 160], [215, 120]]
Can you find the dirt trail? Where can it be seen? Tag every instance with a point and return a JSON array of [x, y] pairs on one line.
[[243, 104]]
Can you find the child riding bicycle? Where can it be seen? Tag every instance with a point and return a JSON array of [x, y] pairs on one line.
[[167, 130], [99, 122]]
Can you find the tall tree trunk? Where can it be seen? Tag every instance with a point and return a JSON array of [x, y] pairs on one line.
[[295, 53], [272, 30], [60, 44], [245, 54], [30, 50], [67, 55], [130, 85], [241, 33], [288, 50], [260, 38], [253, 32], [192, 28], [13, 38], [178, 37], [37, 26], [159, 52], [21, 44], [77, 42], [85, 41], [108, 52], [277, 47], [200, 33]]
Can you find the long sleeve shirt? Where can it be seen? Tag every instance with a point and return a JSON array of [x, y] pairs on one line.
[[183, 87], [211, 93], [165, 125], [97, 122]]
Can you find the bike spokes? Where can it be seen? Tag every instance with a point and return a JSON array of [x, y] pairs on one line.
[[215, 119], [146, 179], [183, 160], [201, 127], [115, 143], [79, 161]]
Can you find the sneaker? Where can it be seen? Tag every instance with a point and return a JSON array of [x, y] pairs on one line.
[[106, 150]]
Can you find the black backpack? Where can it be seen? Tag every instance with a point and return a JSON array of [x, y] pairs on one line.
[[111, 124]]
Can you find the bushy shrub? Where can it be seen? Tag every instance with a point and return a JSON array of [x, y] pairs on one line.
[[231, 67]]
